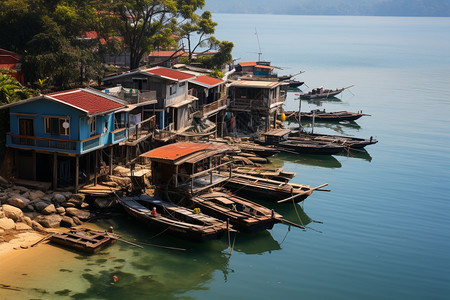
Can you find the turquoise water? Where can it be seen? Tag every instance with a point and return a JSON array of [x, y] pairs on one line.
[[386, 225]]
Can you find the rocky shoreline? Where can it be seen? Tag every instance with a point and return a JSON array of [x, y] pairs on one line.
[[23, 209]]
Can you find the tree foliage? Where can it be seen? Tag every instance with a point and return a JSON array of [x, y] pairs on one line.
[[63, 41], [199, 27]]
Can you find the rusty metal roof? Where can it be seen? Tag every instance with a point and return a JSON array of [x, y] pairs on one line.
[[175, 153], [256, 84]]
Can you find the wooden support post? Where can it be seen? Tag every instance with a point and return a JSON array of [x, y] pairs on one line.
[[111, 160], [88, 168], [55, 170], [77, 172], [176, 176], [96, 168], [33, 154]]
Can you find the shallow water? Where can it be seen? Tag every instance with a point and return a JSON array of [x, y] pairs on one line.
[[386, 225]]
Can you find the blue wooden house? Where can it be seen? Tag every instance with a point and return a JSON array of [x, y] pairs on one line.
[[64, 137]]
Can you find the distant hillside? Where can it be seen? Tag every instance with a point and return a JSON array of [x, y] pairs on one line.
[[428, 8]]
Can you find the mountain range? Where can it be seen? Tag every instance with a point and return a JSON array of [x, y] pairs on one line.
[[416, 8]]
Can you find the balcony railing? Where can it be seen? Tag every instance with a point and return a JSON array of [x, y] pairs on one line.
[[90, 143], [142, 129], [208, 108], [119, 134], [41, 142]]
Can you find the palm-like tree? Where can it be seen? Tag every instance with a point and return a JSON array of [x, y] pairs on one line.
[[11, 90]]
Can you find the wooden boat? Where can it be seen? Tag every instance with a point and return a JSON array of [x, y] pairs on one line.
[[294, 83], [174, 219], [310, 147], [275, 174], [345, 141], [257, 188], [282, 140], [323, 116], [262, 151], [320, 93], [243, 214], [84, 239]]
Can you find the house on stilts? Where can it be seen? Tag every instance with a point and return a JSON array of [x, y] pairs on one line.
[[65, 139]]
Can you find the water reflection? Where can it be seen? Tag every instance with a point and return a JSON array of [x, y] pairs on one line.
[[319, 102], [357, 153], [339, 128], [256, 243], [325, 161]]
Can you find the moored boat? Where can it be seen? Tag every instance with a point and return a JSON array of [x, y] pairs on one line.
[[176, 220], [275, 174], [243, 214], [280, 138], [323, 116], [345, 141], [256, 188], [321, 93]]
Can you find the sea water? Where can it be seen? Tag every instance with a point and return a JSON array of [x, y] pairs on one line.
[[383, 232]]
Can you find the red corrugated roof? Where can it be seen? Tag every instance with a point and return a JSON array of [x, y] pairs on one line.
[[8, 59], [86, 101], [176, 151], [169, 73], [247, 64], [264, 67], [208, 80]]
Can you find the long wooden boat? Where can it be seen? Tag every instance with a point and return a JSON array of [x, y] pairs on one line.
[[84, 239], [320, 93], [345, 141], [275, 174], [281, 139], [256, 188], [260, 150], [323, 116], [310, 147], [174, 219], [243, 214]]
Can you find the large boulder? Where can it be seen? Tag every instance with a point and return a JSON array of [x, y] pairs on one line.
[[36, 226], [77, 221], [49, 221], [7, 224], [60, 210], [59, 198], [50, 209], [18, 201], [34, 195], [12, 212], [103, 203], [67, 222], [80, 214], [27, 220], [40, 205]]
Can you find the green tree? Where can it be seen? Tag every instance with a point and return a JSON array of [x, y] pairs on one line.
[[149, 24], [200, 28], [11, 90], [221, 57]]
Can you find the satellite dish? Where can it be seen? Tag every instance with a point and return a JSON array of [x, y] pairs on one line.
[[65, 125]]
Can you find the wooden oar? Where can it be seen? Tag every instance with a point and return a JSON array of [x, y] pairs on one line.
[[290, 223], [302, 194]]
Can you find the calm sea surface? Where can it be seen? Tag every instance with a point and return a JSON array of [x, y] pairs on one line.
[[386, 222]]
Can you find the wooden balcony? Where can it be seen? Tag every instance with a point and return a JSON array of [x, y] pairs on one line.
[[211, 108]]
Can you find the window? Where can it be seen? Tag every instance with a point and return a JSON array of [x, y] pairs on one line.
[[57, 125], [173, 89], [92, 121]]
